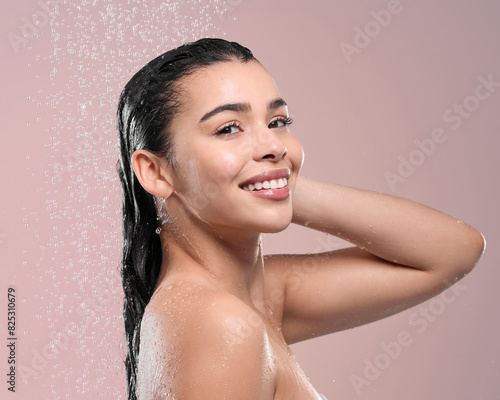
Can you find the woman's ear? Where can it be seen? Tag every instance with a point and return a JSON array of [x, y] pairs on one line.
[[153, 173]]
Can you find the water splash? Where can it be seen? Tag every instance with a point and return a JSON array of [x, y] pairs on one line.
[[95, 47]]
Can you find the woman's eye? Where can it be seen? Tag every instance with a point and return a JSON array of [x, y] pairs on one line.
[[228, 129], [276, 124], [280, 122]]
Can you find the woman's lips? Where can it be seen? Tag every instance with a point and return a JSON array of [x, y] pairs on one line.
[[271, 184], [271, 194]]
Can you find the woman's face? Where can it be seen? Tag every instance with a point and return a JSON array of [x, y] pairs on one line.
[[233, 127]]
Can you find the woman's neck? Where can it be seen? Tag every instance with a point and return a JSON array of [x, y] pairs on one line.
[[230, 260]]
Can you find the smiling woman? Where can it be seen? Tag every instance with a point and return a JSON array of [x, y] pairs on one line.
[[208, 163]]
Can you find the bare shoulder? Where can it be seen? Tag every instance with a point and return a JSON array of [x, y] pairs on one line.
[[199, 342]]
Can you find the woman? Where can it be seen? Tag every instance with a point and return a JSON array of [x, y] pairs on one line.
[[207, 164]]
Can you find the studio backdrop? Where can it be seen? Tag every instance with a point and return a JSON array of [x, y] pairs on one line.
[[395, 96]]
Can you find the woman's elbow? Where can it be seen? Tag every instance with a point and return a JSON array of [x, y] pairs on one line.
[[471, 250]]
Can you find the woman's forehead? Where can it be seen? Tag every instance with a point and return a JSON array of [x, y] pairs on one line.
[[232, 81]]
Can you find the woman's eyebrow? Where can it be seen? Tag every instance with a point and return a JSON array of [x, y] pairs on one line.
[[238, 107], [277, 103], [241, 107]]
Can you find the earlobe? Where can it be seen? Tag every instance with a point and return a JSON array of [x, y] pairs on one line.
[[152, 173]]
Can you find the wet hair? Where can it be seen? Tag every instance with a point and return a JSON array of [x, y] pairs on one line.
[[146, 108]]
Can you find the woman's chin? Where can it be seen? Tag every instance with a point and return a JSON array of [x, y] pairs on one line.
[[274, 225]]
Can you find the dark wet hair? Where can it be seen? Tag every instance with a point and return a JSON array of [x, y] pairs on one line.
[[147, 106]]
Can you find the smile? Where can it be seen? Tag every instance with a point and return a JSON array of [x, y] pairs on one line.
[[271, 184]]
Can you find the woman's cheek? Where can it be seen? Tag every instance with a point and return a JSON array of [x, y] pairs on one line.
[[222, 166]]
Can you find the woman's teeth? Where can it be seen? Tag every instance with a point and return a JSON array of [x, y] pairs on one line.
[[272, 184]]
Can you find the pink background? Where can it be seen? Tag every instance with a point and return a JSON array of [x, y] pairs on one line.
[[356, 116]]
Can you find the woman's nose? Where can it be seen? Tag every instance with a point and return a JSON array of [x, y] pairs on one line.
[[269, 146]]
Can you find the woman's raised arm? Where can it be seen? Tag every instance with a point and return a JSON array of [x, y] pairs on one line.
[[395, 229], [406, 253]]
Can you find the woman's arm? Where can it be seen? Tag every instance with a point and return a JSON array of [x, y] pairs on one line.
[[395, 229], [406, 253]]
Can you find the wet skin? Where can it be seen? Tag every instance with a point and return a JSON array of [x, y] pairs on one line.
[[222, 316], [218, 259]]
